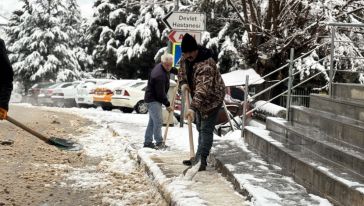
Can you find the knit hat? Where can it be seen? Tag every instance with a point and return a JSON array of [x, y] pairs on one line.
[[188, 43]]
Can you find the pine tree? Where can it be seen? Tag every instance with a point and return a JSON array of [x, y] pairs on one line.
[[101, 35], [126, 35], [42, 41], [137, 55]]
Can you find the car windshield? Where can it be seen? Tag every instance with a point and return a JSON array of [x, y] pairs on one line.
[[137, 84], [42, 85], [54, 85]]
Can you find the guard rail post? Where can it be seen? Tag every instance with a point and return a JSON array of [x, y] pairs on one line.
[[246, 90], [332, 54], [289, 83]]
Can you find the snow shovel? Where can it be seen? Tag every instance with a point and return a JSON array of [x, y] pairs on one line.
[[58, 142], [191, 171], [170, 114]]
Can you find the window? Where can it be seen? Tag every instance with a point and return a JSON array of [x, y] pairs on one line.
[[137, 84]]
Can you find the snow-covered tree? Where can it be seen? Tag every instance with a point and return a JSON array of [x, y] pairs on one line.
[[263, 31], [101, 36], [43, 40], [136, 56], [126, 35]]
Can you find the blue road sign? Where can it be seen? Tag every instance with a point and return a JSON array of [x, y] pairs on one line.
[[177, 53]]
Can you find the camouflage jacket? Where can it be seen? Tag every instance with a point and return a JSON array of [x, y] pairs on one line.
[[208, 88]]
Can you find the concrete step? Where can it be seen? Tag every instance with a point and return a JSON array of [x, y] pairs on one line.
[[348, 91], [349, 108], [319, 175], [304, 138], [344, 131], [253, 176]]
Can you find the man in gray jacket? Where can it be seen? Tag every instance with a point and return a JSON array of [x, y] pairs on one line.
[[6, 81]]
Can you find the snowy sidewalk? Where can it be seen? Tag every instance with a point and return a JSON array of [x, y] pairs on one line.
[[206, 188]]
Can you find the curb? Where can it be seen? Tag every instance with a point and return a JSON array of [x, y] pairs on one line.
[[164, 185], [134, 155], [221, 168]]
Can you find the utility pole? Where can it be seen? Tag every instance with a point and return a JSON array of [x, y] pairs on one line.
[[177, 5]]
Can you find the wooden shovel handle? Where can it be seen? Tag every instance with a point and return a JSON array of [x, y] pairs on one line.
[[190, 134], [170, 113], [35, 133]]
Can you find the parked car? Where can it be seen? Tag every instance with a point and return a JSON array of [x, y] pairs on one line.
[[131, 97], [34, 91], [103, 93], [65, 96], [234, 101], [85, 91], [15, 97], [45, 94]]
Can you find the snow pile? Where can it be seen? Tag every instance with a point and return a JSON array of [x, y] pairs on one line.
[[270, 109]]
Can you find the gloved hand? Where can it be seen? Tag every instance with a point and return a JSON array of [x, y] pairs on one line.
[[170, 109], [185, 87], [3, 113], [190, 114]]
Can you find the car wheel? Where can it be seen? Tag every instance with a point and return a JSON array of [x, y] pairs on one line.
[[127, 110], [60, 104], [141, 107], [72, 103], [33, 101], [106, 108]]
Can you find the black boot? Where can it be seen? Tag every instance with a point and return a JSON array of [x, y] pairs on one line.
[[189, 162], [203, 164], [160, 146], [149, 145]]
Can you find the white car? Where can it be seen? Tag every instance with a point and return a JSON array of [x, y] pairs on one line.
[[45, 94], [103, 93], [85, 91], [65, 96], [131, 97]]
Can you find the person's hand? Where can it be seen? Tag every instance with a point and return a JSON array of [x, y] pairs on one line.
[[185, 88], [170, 109], [190, 114], [3, 113]]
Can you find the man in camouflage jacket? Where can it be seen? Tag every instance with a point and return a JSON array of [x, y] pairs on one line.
[[199, 75], [6, 80]]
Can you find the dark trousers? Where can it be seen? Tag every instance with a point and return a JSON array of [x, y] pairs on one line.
[[205, 127]]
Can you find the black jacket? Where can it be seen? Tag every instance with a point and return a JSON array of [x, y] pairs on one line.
[[6, 77], [158, 85]]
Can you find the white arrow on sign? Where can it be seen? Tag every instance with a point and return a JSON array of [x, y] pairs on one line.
[[177, 36], [185, 21]]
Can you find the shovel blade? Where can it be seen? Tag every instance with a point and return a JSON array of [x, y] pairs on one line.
[[65, 144]]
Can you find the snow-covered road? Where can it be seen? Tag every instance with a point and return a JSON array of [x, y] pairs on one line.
[[108, 169]]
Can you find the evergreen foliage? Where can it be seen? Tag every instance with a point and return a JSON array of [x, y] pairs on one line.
[[43, 39]]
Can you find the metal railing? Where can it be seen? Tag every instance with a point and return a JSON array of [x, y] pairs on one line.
[[288, 92]]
